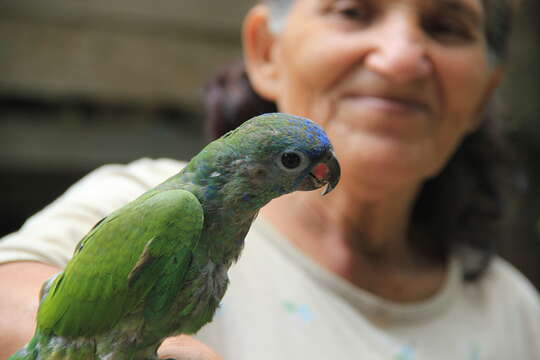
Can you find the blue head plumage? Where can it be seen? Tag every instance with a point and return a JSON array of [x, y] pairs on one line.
[[268, 156]]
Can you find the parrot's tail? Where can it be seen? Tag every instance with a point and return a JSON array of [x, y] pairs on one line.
[[53, 347], [29, 352], [23, 354], [49, 347]]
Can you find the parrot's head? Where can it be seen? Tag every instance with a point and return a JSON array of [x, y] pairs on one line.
[[275, 154]]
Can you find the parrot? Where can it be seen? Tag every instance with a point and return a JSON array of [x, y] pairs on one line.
[[157, 266]]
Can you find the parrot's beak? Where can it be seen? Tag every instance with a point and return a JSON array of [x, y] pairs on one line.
[[326, 172]]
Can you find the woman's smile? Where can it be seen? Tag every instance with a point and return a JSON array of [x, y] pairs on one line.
[[386, 114], [388, 104]]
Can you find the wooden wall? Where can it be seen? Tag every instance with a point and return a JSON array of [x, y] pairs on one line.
[[149, 51]]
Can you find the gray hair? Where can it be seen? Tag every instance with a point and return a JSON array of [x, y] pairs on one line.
[[499, 14]]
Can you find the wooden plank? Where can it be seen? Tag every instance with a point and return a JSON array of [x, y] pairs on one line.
[[58, 60], [67, 144], [218, 15]]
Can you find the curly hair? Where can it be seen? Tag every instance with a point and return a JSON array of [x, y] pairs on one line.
[[463, 207]]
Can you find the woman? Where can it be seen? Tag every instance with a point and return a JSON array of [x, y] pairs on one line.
[[394, 264]]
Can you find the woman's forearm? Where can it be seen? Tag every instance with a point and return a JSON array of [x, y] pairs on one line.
[[20, 283]]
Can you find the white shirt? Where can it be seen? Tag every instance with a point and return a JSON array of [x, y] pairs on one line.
[[282, 305]]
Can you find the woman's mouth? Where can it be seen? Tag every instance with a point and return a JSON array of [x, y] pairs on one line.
[[389, 104]]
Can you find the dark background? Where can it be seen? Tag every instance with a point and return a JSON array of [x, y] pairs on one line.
[[87, 83]]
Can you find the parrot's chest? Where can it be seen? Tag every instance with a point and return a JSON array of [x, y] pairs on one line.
[[220, 245], [196, 304], [212, 283]]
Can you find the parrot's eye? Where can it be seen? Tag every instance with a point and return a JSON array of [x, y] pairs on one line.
[[292, 160]]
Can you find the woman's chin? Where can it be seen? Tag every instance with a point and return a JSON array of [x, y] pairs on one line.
[[385, 170], [378, 182]]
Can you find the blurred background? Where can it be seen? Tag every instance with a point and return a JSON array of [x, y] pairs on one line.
[[84, 83]]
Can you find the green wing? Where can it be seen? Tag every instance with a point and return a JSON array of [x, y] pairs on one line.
[[117, 263]]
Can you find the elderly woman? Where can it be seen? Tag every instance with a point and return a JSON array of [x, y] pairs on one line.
[[397, 262]]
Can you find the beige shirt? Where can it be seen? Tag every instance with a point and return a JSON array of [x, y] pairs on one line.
[[282, 305]]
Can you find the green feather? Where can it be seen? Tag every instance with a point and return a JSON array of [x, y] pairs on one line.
[[117, 263]]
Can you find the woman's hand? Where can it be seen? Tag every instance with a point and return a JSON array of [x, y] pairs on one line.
[[186, 348]]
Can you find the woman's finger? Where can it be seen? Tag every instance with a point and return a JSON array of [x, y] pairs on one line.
[[185, 347]]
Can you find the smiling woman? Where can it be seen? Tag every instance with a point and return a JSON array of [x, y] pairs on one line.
[[446, 57], [398, 261]]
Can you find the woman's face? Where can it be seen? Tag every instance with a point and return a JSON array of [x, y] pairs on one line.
[[396, 83]]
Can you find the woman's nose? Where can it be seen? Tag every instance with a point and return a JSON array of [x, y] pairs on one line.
[[401, 52]]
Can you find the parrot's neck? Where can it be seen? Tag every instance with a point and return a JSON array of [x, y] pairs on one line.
[[228, 213]]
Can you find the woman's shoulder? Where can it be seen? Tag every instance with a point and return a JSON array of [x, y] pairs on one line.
[[50, 235], [129, 179], [160, 164], [503, 281], [142, 169], [503, 295]]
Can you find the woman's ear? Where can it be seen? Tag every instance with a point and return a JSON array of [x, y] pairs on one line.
[[491, 86], [258, 44]]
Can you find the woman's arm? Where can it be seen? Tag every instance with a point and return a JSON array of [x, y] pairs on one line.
[[20, 283]]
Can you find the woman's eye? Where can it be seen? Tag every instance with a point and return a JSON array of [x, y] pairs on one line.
[[352, 13], [352, 10], [448, 30]]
